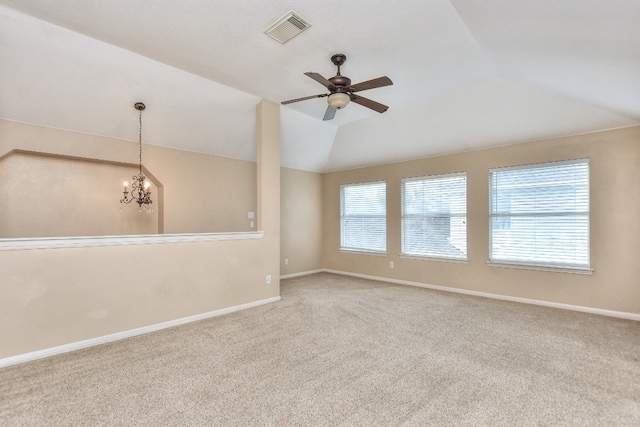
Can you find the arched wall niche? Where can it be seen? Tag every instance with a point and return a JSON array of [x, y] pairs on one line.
[[53, 195]]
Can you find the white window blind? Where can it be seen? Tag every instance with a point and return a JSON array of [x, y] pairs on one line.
[[363, 216], [434, 216], [540, 214]]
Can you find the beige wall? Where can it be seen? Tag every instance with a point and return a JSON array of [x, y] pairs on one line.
[[203, 193], [58, 296], [301, 221], [615, 230], [80, 177], [53, 196]]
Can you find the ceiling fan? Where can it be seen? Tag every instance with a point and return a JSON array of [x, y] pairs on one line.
[[341, 91]]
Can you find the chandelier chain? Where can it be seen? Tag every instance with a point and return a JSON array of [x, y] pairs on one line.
[[140, 140]]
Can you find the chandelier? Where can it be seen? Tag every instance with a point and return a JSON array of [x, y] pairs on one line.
[[140, 187]]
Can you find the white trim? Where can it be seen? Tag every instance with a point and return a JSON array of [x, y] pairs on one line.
[[542, 267], [586, 160], [363, 252], [435, 258], [142, 239], [591, 310], [302, 273], [434, 176], [65, 348]]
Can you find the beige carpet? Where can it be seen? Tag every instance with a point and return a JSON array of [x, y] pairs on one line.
[[345, 351]]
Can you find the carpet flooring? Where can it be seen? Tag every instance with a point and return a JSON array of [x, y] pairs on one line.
[[345, 351]]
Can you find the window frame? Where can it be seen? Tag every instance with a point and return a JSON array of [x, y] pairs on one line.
[[343, 217], [560, 266], [403, 216]]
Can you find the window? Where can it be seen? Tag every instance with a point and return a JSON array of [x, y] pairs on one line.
[[539, 214], [434, 216], [363, 217]]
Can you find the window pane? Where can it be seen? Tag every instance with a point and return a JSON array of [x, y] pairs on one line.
[[364, 233], [434, 221], [363, 222], [548, 239], [540, 214], [562, 188], [365, 199]]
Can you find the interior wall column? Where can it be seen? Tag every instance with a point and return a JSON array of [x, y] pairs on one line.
[[268, 175]]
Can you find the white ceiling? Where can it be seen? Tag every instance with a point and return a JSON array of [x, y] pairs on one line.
[[467, 74]]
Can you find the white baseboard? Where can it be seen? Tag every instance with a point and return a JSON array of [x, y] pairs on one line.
[[302, 273], [591, 310], [27, 357]]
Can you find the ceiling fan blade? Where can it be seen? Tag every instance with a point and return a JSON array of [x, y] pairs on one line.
[[317, 77], [366, 102], [330, 113], [371, 84], [304, 99]]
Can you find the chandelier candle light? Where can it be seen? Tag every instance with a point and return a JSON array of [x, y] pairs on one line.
[[140, 187]]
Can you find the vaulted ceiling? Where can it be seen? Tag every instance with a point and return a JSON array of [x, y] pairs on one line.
[[467, 74]]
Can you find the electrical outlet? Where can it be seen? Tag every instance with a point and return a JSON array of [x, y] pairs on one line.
[[251, 224], [286, 261], [268, 279], [391, 265]]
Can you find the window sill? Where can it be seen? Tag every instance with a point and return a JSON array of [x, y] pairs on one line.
[[362, 252], [542, 267], [98, 241], [437, 259]]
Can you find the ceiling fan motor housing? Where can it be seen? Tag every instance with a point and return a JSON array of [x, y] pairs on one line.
[[340, 82]]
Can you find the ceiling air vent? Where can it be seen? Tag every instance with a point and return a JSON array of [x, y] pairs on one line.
[[287, 27]]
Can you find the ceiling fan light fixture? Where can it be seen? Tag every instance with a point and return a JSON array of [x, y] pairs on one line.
[[338, 100]]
